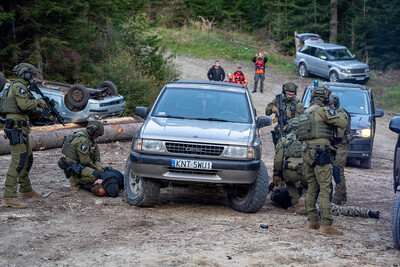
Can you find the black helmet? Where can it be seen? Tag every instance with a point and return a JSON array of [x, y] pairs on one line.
[[289, 87], [95, 128], [25, 71]]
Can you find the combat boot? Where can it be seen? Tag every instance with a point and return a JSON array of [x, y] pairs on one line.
[[330, 230], [31, 194], [13, 203], [313, 224], [373, 214], [73, 185]]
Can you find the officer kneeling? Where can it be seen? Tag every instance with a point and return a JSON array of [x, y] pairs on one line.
[[82, 163]]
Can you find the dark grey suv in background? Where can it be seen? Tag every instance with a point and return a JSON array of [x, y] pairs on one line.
[[199, 132], [359, 102], [330, 61]]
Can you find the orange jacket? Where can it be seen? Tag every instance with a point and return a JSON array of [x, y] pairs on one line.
[[240, 78]]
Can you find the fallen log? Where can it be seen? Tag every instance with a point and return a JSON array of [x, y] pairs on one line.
[[45, 137]]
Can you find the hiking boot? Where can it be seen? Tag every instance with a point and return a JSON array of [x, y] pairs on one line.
[[73, 185], [31, 194], [253, 91], [330, 230], [313, 224], [13, 203]]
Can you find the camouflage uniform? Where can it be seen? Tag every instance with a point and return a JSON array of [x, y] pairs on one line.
[[349, 211], [344, 137], [19, 105], [292, 107], [316, 128], [287, 164]]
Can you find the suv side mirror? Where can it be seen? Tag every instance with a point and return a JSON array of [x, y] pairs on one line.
[[353, 56], [322, 57], [263, 121], [378, 113], [395, 124], [142, 112]]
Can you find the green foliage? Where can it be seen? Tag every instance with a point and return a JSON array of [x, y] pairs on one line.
[[389, 98]]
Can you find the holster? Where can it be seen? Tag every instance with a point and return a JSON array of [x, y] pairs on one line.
[[322, 156], [70, 167], [14, 134]]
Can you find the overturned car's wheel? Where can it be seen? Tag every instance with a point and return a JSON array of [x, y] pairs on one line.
[[3, 81], [141, 192], [249, 199], [111, 88], [77, 96]]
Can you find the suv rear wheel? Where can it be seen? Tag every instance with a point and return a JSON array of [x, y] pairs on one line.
[[303, 71], [252, 198], [334, 77], [141, 192]]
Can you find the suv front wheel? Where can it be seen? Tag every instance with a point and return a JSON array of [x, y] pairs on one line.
[[252, 198], [334, 77], [141, 192]]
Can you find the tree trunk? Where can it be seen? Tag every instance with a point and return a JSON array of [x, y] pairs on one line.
[[38, 57], [353, 30], [315, 16], [333, 22]]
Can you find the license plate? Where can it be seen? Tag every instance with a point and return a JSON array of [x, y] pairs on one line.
[[359, 79], [191, 164]]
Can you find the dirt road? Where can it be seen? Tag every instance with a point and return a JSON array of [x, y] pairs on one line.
[[194, 226]]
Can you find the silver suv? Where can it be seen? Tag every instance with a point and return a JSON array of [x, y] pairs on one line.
[[199, 132], [331, 61]]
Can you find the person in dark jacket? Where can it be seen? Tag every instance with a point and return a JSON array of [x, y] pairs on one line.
[[216, 73], [111, 182]]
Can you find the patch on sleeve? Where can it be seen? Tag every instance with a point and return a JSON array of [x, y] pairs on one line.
[[84, 148], [22, 91], [332, 112]]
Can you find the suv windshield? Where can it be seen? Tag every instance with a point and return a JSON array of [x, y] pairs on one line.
[[198, 104], [339, 54], [355, 102]]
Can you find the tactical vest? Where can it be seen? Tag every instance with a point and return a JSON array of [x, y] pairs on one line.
[[9, 104], [68, 149], [310, 129], [291, 108], [347, 136], [239, 76], [292, 149], [259, 65]]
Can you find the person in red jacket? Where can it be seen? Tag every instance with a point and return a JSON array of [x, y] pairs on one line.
[[259, 65], [239, 76]]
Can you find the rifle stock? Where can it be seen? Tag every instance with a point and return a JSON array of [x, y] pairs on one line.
[[50, 105]]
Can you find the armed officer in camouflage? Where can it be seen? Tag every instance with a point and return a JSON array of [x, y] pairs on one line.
[[285, 106], [342, 142], [288, 167], [316, 130], [19, 105], [82, 151]]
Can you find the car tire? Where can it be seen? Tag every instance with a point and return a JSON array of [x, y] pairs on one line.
[[141, 192], [334, 77], [3, 81], [252, 199], [112, 89], [366, 163], [77, 96], [396, 224], [303, 71]]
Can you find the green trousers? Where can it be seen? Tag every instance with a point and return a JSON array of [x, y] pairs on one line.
[[319, 179], [292, 177], [18, 172], [340, 161]]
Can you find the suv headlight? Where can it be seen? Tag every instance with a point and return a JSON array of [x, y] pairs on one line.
[[365, 133], [149, 145], [346, 70], [239, 152], [366, 70]]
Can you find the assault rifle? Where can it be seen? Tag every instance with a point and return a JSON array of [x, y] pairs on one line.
[[49, 108], [280, 118]]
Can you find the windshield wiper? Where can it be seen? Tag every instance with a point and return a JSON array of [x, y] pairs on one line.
[[209, 119], [173, 117]]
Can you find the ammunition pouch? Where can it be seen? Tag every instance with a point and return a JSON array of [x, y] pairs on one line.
[[336, 174], [322, 156], [14, 134], [275, 137], [70, 168]]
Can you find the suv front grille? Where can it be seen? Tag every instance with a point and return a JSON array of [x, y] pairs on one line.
[[360, 147], [194, 149], [357, 70]]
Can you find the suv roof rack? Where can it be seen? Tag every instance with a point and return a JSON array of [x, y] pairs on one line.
[[174, 80], [207, 82]]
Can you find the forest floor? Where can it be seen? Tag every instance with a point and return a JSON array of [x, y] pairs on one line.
[[195, 226]]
